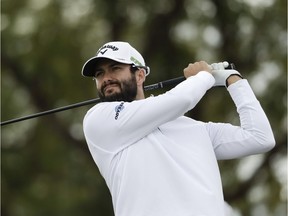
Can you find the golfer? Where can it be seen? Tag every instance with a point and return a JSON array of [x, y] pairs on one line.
[[156, 161]]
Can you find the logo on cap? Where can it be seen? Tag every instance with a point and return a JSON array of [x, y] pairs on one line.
[[135, 61], [103, 52], [106, 47]]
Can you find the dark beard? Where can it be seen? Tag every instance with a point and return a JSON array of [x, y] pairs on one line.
[[128, 91]]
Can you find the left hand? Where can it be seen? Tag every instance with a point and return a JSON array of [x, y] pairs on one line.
[[221, 74]]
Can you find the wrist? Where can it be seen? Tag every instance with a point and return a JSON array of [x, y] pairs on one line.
[[232, 79]]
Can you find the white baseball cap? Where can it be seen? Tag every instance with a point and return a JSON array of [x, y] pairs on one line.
[[118, 51]]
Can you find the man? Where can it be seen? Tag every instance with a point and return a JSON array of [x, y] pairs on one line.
[[157, 162]]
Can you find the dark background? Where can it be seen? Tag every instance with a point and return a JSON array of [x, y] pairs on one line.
[[46, 168]]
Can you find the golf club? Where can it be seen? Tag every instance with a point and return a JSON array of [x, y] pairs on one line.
[[159, 85]]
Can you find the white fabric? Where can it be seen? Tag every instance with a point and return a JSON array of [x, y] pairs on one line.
[[118, 51], [221, 74], [219, 65], [157, 162]]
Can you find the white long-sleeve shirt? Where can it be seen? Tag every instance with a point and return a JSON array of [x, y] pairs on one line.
[[158, 162]]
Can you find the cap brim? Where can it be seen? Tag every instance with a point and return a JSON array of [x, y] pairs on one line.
[[88, 69]]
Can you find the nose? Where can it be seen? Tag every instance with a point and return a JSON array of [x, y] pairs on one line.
[[106, 77]]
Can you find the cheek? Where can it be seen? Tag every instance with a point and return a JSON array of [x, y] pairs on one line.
[[97, 84]]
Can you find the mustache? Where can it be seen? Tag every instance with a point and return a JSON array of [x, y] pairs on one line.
[[111, 82]]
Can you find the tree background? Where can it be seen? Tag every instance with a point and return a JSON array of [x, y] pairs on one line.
[[46, 168]]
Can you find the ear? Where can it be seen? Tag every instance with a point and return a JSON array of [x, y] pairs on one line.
[[140, 76]]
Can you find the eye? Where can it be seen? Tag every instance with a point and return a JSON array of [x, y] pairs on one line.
[[116, 67], [98, 74]]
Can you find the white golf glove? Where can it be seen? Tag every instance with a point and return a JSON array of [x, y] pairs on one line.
[[221, 74]]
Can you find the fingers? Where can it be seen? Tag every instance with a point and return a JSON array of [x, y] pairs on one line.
[[193, 69], [220, 65]]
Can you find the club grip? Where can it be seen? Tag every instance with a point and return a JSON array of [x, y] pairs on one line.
[[231, 66]]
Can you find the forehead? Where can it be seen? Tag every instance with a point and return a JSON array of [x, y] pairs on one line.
[[106, 62]]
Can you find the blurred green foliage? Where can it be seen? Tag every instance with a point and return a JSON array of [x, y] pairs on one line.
[[46, 166]]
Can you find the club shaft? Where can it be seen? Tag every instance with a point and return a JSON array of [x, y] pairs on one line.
[[163, 84], [159, 85]]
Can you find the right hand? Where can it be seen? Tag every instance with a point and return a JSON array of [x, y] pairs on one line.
[[193, 69]]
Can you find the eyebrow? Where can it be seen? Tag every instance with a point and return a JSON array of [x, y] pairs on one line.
[[110, 65], [115, 63]]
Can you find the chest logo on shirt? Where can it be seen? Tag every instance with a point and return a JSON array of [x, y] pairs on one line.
[[118, 109]]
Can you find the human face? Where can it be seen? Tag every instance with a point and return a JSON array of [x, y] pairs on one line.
[[115, 81]]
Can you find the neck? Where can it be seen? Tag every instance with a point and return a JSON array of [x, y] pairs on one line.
[[140, 94]]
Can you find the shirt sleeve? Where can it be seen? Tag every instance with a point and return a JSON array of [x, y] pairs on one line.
[[115, 125], [254, 136]]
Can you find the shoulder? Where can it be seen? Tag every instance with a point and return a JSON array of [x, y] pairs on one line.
[[190, 120], [185, 121], [104, 106], [105, 110]]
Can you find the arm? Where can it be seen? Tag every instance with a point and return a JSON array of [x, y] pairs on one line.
[[139, 118], [253, 136]]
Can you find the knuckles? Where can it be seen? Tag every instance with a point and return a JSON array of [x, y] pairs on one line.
[[194, 68]]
